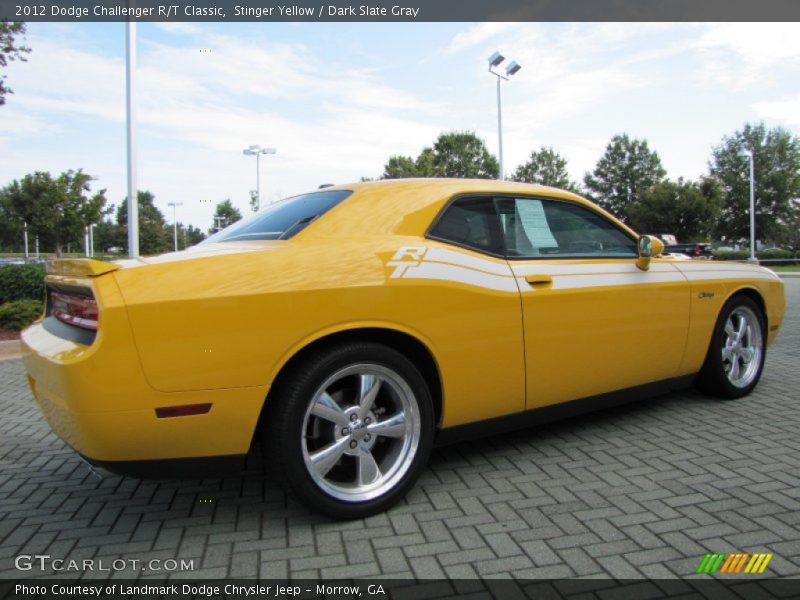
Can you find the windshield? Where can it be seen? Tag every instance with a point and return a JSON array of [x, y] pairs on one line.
[[281, 220]]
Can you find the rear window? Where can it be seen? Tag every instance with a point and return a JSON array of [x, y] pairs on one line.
[[281, 220]]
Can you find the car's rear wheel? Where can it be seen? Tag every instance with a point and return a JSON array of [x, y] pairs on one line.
[[736, 355], [351, 429]]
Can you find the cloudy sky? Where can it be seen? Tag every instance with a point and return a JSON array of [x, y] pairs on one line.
[[337, 99]]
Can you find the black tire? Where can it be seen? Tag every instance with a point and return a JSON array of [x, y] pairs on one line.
[[291, 427], [713, 378]]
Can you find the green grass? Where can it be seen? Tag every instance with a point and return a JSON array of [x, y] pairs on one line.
[[783, 268]]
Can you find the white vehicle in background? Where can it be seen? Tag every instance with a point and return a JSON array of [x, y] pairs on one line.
[[669, 239]]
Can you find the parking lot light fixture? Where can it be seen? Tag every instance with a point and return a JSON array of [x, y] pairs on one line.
[[175, 206], [750, 155], [495, 60], [256, 150]]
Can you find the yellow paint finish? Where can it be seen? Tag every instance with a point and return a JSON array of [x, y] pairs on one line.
[[585, 341], [706, 309], [216, 323], [240, 330], [97, 399]]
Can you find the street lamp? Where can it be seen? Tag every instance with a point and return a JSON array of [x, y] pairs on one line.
[[175, 206], [495, 60], [130, 118], [257, 151], [25, 238], [748, 152]]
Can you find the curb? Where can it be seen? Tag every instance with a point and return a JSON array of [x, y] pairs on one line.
[[789, 275], [10, 349]]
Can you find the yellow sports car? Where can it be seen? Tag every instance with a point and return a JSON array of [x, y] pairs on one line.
[[351, 328]]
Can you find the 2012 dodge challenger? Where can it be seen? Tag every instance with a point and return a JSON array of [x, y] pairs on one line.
[[349, 329]]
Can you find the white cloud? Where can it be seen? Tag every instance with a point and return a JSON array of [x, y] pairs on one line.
[[201, 108], [783, 111], [740, 54], [477, 34]]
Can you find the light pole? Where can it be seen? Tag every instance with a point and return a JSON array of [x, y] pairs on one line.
[[175, 206], [91, 239], [512, 68], [25, 238], [257, 151], [130, 105], [748, 152]]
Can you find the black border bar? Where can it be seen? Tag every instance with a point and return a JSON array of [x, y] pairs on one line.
[[400, 10]]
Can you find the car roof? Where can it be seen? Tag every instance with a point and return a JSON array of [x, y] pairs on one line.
[[408, 206], [453, 185]]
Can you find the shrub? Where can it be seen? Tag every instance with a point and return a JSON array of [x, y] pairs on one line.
[[730, 254], [21, 282], [769, 253], [776, 253], [19, 314]]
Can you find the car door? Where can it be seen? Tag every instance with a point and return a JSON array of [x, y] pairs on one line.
[[469, 289], [593, 321]]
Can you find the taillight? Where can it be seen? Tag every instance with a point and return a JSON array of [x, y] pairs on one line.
[[73, 309]]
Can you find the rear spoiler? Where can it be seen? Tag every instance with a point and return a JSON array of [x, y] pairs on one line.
[[79, 267]]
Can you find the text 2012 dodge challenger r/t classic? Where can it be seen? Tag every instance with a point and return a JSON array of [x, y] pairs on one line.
[[350, 328]]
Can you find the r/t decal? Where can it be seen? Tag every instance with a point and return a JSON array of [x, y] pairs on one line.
[[404, 258]]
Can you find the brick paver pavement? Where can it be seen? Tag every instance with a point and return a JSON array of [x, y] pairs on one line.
[[639, 491]]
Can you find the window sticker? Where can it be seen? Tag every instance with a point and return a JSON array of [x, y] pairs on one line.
[[534, 222]]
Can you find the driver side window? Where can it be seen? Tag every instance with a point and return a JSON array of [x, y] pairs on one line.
[[534, 228]]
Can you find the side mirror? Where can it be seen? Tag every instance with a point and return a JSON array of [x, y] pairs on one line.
[[649, 247]]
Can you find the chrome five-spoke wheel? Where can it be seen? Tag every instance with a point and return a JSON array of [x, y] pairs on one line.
[[361, 432], [350, 428], [742, 346], [736, 354]]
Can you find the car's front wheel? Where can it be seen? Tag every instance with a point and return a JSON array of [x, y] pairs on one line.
[[738, 348], [351, 429]]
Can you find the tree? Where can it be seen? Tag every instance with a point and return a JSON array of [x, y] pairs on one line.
[[253, 200], [11, 228], [545, 167], [9, 50], [225, 214], [109, 234], [777, 181], [622, 174], [401, 167], [791, 236], [463, 154], [57, 210], [153, 237], [454, 154], [685, 208], [193, 235]]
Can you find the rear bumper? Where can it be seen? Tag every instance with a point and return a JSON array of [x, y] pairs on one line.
[[98, 401], [174, 468]]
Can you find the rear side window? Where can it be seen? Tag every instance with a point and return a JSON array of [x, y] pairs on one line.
[[472, 223], [283, 219]]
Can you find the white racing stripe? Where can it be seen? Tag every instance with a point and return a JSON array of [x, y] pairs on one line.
[[440, 255], [459, 267], [571, 282], [548, 268], [706, 275], [459, 274]]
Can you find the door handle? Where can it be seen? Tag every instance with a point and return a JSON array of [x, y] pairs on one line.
[[539, 279]]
